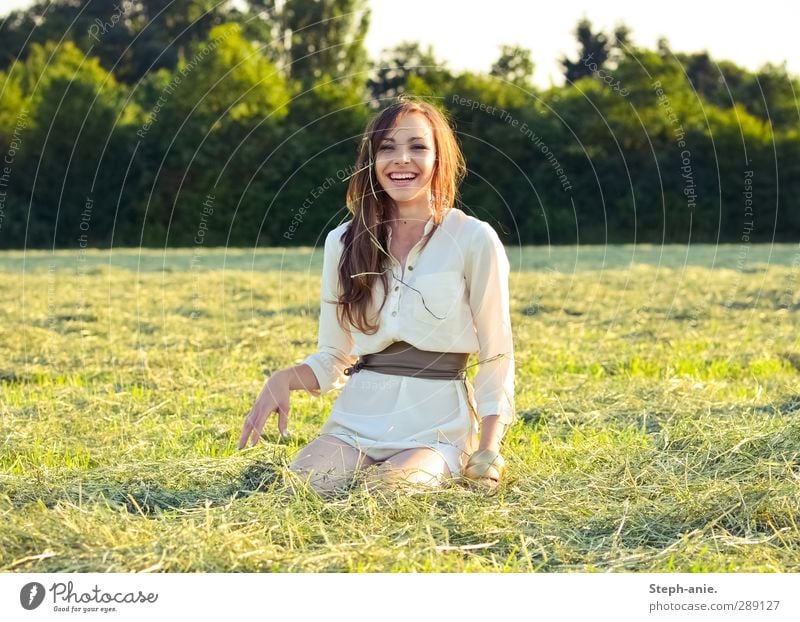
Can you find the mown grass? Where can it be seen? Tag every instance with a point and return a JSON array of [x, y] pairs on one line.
[[657, 391]]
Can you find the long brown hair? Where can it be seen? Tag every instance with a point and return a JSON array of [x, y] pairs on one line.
[[366, 238]]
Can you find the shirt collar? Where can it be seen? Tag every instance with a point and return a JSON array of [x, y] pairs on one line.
[[428, 223]]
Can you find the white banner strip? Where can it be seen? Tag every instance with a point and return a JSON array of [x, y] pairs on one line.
[[399, 597]]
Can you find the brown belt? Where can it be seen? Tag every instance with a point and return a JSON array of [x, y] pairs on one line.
[[403, 359]]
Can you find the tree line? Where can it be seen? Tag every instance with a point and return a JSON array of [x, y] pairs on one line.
[[159, 123]]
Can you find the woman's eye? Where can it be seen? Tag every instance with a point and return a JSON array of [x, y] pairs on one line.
[[387, 146]]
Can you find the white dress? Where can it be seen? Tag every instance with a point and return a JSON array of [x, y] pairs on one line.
[[451, 296]]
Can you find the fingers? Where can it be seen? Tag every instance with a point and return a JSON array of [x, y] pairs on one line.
[[246, 431], [252, 428], [245, 435], [268, 402], [257, 426], [283, 420]]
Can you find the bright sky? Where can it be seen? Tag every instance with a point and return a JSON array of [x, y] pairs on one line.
[[466, 34]]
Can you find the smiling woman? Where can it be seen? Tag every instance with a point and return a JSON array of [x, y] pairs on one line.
[[405, 160], [411, 286]]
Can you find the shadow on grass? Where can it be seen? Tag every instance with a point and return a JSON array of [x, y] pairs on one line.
[[151, 498], [12, 377], [306, 311], [789, 406]]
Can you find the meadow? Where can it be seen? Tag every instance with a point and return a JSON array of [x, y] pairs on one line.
[[657, 394]]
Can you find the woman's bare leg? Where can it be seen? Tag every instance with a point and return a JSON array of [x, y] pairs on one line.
[[328, 463], [418, 466]]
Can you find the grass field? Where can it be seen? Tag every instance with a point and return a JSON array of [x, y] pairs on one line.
[[657, 390]]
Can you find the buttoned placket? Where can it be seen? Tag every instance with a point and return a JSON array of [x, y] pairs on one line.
[[396, 288]]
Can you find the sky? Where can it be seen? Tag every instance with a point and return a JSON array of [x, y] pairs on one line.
[[467, 34]]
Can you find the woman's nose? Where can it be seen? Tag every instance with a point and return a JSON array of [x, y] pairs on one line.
[[402, 155]]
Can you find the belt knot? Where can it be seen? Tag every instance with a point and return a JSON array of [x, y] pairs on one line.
[[355, 368]]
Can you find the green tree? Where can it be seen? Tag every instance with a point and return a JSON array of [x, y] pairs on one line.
[[224, 95], [68, 169], [325, 37], [390, 74], [772, 94], [129, 37], [596, 49], [514, 66]]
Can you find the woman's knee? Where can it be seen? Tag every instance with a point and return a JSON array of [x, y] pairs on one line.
[[327, 464], [421, 467], [320, 481]]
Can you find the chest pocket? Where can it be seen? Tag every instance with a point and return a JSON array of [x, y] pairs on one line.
[[439, 296]]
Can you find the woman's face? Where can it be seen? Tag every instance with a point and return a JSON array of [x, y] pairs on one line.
[[405, 160]]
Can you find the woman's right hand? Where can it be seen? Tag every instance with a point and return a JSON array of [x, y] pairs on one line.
[[274, 397]]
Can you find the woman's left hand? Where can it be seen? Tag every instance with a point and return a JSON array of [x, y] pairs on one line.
[[485, 466]]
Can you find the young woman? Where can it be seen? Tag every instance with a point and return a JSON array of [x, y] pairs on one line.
[[410, 287]]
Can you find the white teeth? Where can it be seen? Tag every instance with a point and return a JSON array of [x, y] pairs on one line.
[[400, 176]]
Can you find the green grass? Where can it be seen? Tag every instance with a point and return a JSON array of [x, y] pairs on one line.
[[657, 390]]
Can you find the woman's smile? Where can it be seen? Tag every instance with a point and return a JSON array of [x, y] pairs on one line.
[[402, 178]]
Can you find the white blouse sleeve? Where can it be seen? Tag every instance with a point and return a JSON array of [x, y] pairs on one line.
[[487, 270], [334, 343]]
